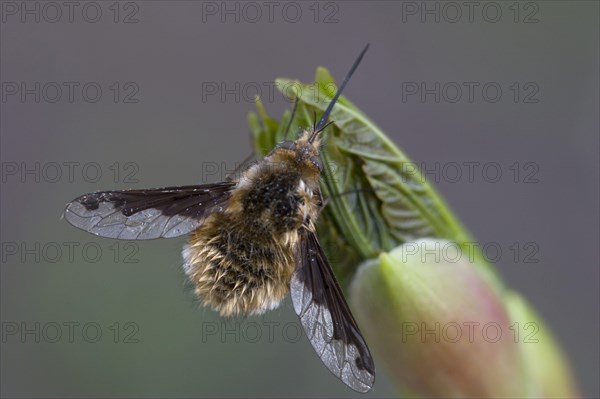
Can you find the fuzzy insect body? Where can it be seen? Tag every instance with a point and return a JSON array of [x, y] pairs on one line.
[[241, 260], [252, 241]]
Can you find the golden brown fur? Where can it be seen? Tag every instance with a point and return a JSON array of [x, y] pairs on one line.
[[241, 260]]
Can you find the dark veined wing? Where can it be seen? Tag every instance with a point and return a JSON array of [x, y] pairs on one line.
[[326, 317], [147, 214]]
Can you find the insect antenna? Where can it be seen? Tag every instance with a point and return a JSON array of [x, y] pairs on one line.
[[318, 127]]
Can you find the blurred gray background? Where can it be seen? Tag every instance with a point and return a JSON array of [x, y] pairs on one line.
[[177, 80]]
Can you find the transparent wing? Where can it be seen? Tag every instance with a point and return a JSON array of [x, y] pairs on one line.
[[147, 214], [326, 317]]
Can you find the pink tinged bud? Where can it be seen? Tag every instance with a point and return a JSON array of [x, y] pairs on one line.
[[439, 327], [546, 370]]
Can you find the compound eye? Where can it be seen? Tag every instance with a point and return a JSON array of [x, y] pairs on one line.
[[288, 145], [316, 161]]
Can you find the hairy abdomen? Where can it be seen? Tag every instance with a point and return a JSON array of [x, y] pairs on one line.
[[238, 266]]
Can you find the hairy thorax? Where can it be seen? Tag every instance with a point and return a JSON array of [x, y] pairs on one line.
[[241, 260]]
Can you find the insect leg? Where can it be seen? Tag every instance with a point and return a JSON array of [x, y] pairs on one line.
[[242, 165], [287, 129]]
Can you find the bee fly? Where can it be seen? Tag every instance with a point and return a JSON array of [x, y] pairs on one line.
[[251, 241]]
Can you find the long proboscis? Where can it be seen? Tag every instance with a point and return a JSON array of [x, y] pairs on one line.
[[322, 122]]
